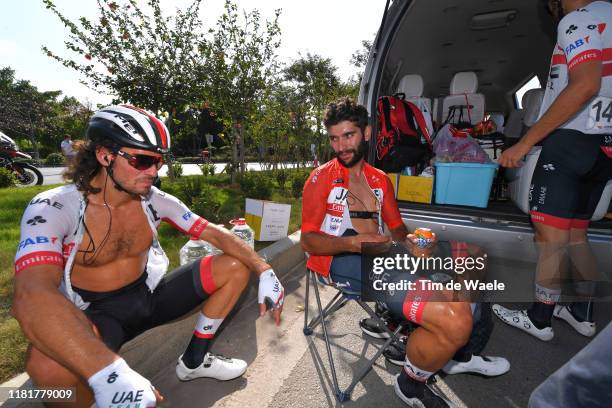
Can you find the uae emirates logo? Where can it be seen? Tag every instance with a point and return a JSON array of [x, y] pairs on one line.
[[36, 220]]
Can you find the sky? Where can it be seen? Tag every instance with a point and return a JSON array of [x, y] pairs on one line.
[[330, 28]]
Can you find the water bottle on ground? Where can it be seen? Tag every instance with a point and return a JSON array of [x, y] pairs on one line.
[[243, 231], [195, 249]]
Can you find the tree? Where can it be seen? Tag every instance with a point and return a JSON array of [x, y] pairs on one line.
[[316, 83], [139, 55], [241, 65], [71, 118], [38, 120], [25, 113], [272, 129], [359, 59]]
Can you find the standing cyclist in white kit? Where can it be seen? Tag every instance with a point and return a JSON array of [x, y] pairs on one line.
[[574, 166]]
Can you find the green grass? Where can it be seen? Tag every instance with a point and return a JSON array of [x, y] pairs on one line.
[[12, 204], [12, 342]]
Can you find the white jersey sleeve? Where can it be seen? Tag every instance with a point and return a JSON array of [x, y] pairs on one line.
[[44, 226], [167, 208], [584, 35], [579, 37]]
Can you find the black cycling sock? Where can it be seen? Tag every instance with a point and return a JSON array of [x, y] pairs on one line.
[[196, 350], [541, 314], [409, 386], [582, 311], [462, 356]]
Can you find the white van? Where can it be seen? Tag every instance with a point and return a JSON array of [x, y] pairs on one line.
[[500, 44]]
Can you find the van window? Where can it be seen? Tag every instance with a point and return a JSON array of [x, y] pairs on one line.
[[534, 82]]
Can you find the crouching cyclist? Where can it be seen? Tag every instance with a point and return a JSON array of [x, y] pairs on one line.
[[345, 203], [90, 272]]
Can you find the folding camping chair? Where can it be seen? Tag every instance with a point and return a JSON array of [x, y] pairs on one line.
[[343, 296]]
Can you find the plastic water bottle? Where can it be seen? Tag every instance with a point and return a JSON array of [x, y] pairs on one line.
[[195, 249], [243, 231]]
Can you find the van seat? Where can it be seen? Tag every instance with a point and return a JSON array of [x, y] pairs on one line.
[[463, 93], [525, 117], [498, 119], [411, 86]]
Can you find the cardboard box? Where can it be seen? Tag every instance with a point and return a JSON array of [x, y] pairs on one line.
[[415, 188], [269, 220]]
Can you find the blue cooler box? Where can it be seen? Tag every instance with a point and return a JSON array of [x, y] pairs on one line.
[[464, 183]]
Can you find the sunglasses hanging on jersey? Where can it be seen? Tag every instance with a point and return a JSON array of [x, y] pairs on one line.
[[142, 162]]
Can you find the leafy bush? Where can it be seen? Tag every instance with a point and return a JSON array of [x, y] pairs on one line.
[[298, 179], [207, 169], [43, 151], [188, 190], [178, 169], [54, 159], [256, 185], [207, 204], [7, 178], [281, 177], [229, 168]]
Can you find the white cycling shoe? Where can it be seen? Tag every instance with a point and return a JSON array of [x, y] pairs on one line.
[[214, 366], [585, 328], [484, 365], [520, 320]]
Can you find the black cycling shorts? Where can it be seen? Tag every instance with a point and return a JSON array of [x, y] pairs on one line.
[[123, 314], [569, 179]]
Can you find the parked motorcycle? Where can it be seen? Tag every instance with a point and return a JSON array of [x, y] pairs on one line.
[[17, 162]]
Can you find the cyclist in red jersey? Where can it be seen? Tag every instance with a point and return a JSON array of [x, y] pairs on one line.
[[345, 203], [574, 166]]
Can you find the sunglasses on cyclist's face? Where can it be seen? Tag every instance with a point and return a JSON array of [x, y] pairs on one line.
[[141, 161]]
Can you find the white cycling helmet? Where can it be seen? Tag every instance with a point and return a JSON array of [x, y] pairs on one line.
[[129, 126]]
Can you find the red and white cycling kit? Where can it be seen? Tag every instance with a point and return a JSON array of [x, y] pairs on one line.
[[52, 229], [325, 208], [584, 35], [575, 163]]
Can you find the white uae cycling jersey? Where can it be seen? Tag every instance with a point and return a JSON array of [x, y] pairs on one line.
[[52, 229], [584, 35]]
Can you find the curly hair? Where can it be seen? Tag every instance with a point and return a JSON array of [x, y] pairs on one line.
[[85, 165], [346, 109]]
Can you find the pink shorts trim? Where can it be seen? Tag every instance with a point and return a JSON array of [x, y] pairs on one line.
[[415, 302], [208, 283]]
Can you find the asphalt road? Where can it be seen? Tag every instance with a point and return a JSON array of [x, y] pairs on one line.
[[288, 369]]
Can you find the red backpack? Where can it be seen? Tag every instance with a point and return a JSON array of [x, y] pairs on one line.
[[403, 138]]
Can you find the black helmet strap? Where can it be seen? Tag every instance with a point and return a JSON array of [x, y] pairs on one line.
[[109, 171]]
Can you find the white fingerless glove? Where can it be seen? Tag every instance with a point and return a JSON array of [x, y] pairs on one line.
[[271, 291], [117, 385]]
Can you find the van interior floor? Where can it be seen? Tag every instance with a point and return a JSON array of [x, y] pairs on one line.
[[496, 211]]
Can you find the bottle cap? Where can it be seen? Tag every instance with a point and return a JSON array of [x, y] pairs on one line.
[[238, 221]]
